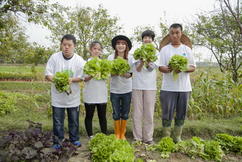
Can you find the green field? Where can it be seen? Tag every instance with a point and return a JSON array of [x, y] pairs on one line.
[[215, 107], [20, 68]]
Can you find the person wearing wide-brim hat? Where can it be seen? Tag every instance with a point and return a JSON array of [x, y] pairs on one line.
[[121, 86], [175, 93]]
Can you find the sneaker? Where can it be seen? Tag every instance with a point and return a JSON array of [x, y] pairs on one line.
[[77, 143], [56, 146]]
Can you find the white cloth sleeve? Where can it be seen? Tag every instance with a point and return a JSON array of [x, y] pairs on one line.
[[162, 58]]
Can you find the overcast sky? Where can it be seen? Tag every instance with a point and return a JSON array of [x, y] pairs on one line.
[[132, 13]]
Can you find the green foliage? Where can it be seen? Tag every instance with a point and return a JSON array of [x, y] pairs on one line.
[[147, 53], [98, 68], [221, 33], [196, 147], [86, 24], [109, 149], [193, 147], [33, 10], [11, 101], [214, 94], [165, 146], [178, 63], [120, 66], [17, 76], [61, 81], [230, 143]]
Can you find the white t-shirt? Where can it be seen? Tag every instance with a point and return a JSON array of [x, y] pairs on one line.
[[118, 84], [182, 84], [145, 79], [58, 63], [95, 91]]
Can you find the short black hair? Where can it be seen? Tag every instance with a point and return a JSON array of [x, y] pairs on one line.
[[176, 25], [148, 33], [93, 43], [69, 37]]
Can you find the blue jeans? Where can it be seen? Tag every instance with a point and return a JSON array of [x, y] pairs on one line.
[[121, 105], [58, 123]]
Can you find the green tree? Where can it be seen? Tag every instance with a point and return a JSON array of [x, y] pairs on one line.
[[33, 10], [37, 54], [86, 24], [13, 41], [221, 32]]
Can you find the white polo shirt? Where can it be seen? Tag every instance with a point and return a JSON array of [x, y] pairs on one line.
[[183, 83], [58, 63]]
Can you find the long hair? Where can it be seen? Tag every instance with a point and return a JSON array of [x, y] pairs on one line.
[[126, 52]]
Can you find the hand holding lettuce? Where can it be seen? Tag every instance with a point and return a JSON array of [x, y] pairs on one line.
[[178, 63], [147, 53], [120, 66], [97, 68], [61, 81]]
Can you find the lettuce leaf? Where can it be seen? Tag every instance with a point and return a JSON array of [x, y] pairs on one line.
[[147, 53], [120, 66], [98, 68]]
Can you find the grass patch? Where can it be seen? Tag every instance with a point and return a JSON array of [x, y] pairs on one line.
[[21, 68]]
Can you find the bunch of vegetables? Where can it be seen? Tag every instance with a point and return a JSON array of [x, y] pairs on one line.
[[120, 66], [147, 53], [166, 146], [230, 143], [98, 68], [61, 81], [178, 63], [109, 149]]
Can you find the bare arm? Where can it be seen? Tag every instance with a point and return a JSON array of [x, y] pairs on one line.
[[75, 80], [191, 69], [140, 66], [165, 69]]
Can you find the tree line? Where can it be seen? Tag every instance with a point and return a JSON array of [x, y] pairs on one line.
[[219, 30]]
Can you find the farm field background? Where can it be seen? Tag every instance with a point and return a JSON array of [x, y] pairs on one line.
[[215, 107]]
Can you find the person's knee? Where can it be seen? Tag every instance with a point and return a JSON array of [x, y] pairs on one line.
[[125, 116], [116, 117]]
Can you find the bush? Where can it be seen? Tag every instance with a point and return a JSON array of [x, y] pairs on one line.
[[10, 102], [109, 149]]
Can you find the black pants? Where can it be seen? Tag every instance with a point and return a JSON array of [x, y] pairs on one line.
[[101, 110]]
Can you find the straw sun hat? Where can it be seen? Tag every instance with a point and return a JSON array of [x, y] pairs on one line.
[[184, 39]]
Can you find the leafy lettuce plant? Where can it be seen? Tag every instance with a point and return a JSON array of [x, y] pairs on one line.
[[230, 143], [120, 66], [61, 81], [166, 146], [178, 63], [109, 149], [98, 68], [147, 53]]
